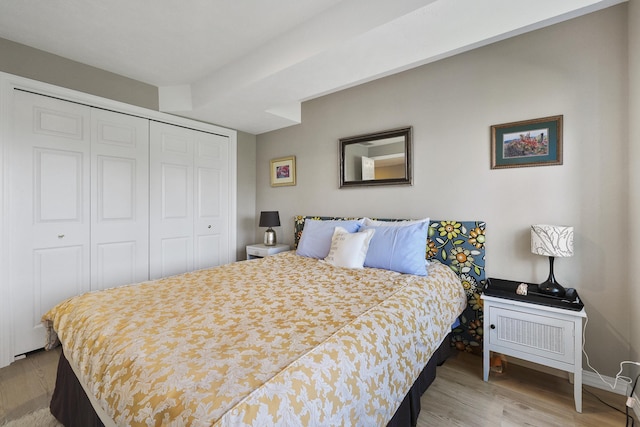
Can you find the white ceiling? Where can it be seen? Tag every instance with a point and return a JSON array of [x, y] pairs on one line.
[[248, 64]]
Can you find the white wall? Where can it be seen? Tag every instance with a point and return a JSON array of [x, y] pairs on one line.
[[577, 68]]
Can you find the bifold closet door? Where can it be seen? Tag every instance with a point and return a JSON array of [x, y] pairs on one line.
[[79, 206], [49, 210], [119, 199], [189, 215]]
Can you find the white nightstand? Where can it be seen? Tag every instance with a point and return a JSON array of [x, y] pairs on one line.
[[546, 335], [260, 250]]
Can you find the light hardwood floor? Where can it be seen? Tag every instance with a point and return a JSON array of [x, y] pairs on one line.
[[27, 384], [517, 397], [458, 396]]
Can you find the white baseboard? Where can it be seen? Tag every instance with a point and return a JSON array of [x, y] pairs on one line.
[[592, 379], [589, 378]]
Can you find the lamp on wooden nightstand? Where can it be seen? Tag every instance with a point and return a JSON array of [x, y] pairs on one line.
[[552, 241], [269, 219]]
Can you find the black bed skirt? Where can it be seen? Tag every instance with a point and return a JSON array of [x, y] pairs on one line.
[[407, 413], [69, 403], [71, 406]]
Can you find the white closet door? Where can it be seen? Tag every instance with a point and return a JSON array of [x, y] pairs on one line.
[[189, 226], [49, 210], [170, 200], [211, 226], [119, 199]]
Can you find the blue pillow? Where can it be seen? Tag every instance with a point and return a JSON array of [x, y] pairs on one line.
[[315, 241], [400, 249]]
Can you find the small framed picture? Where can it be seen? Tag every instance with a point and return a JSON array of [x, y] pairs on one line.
[[283, 171], [536, 142]]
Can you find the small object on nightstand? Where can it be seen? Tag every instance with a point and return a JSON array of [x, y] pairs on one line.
[[522, 289], [260, 250]]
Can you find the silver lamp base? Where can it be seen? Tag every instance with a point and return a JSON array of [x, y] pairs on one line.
[[269, 237]]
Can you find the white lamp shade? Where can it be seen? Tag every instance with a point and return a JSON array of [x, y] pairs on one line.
[[552, 240]]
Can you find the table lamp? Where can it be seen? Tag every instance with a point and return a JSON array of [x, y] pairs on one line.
[[552, 241], [269, 219]]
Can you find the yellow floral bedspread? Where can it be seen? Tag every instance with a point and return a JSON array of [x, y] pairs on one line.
[[283, 340]]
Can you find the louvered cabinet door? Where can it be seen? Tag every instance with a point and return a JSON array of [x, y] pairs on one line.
[[532, 333]]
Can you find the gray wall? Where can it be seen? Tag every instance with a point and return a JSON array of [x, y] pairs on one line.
[[634, 174], [247, 221], [577, 68], [35, 64]]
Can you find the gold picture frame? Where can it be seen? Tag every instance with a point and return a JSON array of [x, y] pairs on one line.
[[283, 171]]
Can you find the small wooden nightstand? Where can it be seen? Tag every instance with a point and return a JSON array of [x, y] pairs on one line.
[[259, 250], [550, 336]]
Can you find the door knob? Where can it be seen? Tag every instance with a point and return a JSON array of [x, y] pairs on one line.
[[60, 236], [209, 226]]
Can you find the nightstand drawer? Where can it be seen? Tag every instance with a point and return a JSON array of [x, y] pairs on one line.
[[260, 252], [533, 334]]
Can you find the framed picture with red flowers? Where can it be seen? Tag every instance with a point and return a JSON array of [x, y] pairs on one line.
[[536, 142], [283, 171]]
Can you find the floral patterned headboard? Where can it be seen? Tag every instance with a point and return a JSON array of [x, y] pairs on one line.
[[461, 246]]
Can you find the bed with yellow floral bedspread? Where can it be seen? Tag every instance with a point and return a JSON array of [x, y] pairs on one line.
[[283, 340]]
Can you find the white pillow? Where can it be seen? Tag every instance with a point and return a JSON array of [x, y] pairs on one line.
[[375, 223], [349, 249]]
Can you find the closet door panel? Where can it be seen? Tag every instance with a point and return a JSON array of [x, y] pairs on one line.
[[49, 122], [176, 189], [208, 251], [119, 199], [56, 271], [208, 195], [176, 255], [49, 210], [116, 263], [58, 185], [211, 192], [116, 189], [171, 200]]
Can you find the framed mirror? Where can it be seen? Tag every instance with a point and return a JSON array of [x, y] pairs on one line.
[[380, 158]]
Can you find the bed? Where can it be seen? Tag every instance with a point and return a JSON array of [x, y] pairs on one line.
[[284, 340]]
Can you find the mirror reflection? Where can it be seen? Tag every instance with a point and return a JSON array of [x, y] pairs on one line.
[[380, 158]]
